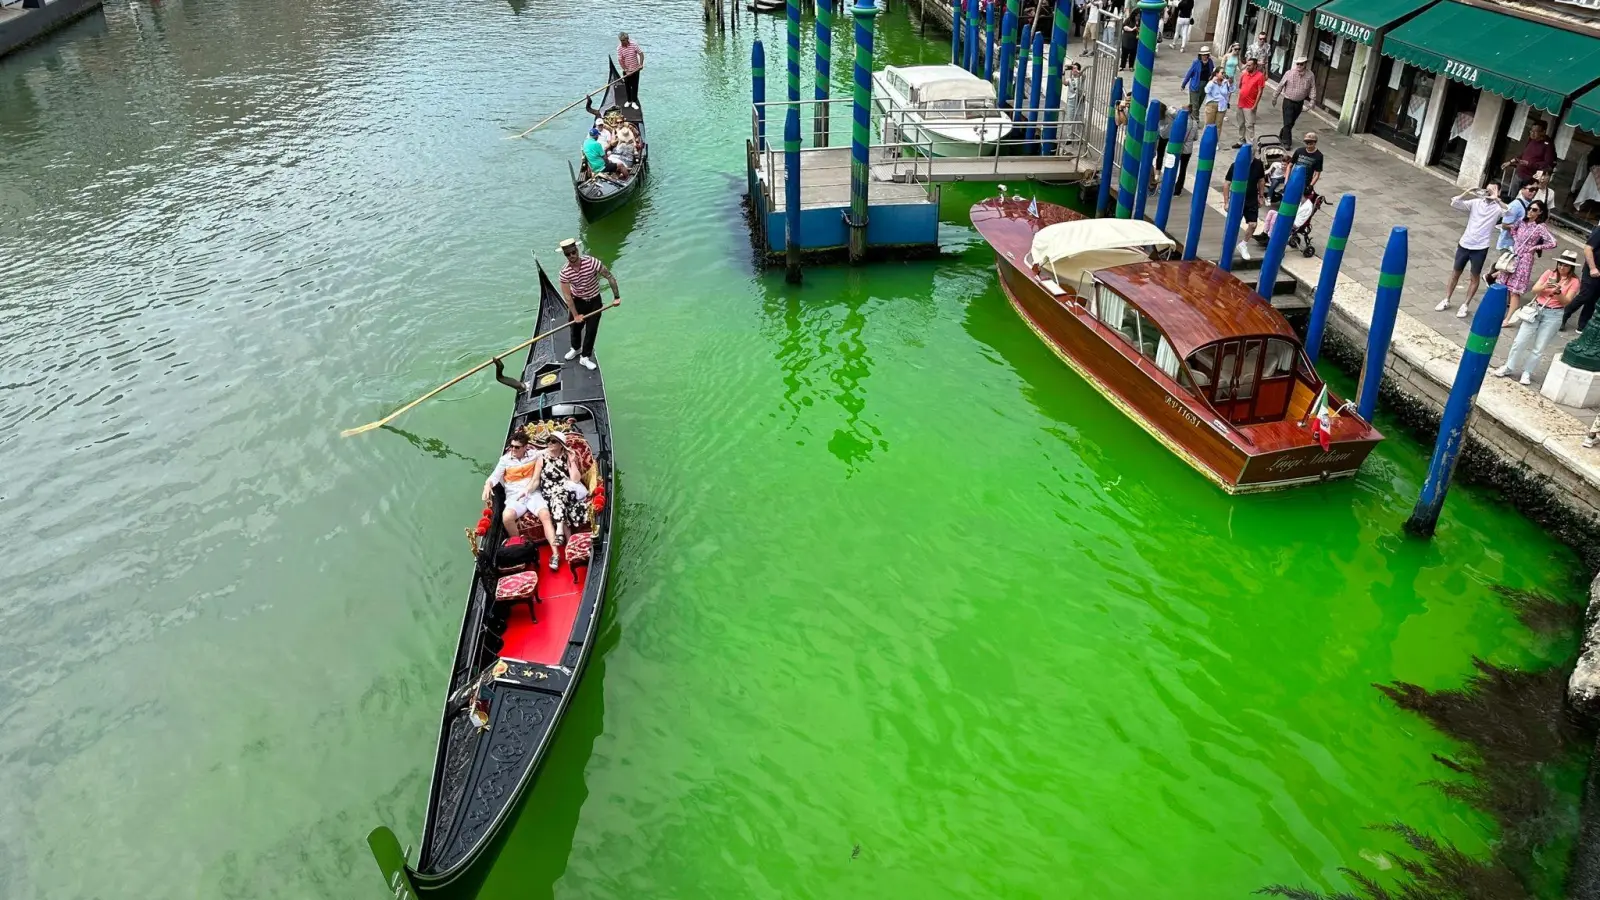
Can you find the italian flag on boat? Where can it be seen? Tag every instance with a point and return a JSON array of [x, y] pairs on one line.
[[1321, 419]]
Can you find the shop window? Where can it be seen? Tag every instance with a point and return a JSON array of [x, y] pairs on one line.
[[1331, 60], [1400, 103], [1575, 184]]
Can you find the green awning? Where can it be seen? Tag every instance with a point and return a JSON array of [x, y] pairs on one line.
[[1288, 10], [1361, 20], [1515, 58], [1585, 112]]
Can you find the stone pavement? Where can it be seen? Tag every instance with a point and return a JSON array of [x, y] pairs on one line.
[[1389, 191]]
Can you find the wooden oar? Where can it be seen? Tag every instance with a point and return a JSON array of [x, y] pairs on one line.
[[561, 110], [348, 432]]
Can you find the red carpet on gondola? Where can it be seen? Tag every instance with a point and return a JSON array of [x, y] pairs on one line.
[[559, 595]]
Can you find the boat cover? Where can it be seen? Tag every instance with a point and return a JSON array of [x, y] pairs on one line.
[[935, 83], [1057, 242]]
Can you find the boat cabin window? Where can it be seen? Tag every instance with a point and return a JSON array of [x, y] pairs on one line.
[[1140, 331], [1248, 380], [959, 109]]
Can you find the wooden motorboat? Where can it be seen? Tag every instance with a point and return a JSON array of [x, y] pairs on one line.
[[767, 6], [518, 661], [940, 110], [599, 195], [1186, 350]]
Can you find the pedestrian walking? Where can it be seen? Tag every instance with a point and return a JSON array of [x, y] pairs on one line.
[[580, 287], [1232, 62], [1589, 290], [1484, 209], [1259, 50], [1130, 38], [1255, 193], [1538, 155], [1091, 26], [1216, 105], [1252, 81], [1528, 237], [631, 57], [1184, 22], [1195, 80], [1542, 318], [1310, 157], [1296, 88]]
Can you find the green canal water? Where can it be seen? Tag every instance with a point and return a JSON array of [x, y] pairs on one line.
[[900, 608]]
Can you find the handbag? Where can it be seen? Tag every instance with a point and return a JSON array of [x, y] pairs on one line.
[[1527, 314], [1506, 261]]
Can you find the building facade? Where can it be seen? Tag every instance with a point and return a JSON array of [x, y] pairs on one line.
[[1458, 86]]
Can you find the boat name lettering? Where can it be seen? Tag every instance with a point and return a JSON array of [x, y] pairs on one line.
[[1289, 463], [1344, 27], [1461, 71], [1188, 416]]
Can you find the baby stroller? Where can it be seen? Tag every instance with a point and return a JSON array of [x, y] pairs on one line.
[[1271, 149]]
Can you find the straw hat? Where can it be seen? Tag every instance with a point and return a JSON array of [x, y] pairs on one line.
[[1568, 258]]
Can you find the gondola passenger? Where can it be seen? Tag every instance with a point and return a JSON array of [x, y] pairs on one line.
[[561, 485], [595, 153], [518, 471]]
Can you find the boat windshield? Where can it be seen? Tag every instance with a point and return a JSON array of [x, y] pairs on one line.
[[959, 109], [1250, 380]]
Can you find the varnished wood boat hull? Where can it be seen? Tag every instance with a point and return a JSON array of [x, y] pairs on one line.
[[1179, 420]]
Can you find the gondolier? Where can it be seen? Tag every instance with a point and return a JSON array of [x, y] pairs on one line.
[[580, 287], [631, 58]]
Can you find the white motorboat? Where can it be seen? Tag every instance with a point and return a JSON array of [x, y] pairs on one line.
[[944, 110]]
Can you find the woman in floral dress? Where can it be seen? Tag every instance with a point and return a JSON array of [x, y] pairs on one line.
[[561, 484], [1528, 237]]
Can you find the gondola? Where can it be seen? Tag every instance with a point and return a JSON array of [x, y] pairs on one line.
[[602, 195], [519, 658]]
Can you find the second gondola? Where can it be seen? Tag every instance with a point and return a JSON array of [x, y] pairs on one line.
[[600, 193]]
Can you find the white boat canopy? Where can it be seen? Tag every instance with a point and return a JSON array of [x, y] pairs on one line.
[[1069, 249], [946, 82]]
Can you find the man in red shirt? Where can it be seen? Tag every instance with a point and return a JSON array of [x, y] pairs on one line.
[[1251, 83], [1538, 155]]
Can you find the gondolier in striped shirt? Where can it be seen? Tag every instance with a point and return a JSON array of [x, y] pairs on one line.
[[580, 287], [631, 58]]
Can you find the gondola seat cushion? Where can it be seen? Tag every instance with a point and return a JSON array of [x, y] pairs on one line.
[[521, 586], [579, 547], [531, 530]]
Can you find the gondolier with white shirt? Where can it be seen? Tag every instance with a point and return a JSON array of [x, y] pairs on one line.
[[580, 287], [631, 58]]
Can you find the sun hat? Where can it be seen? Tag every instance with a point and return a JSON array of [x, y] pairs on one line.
[[1206, 50], [1568, 258], [569, 242], [1301, 59]]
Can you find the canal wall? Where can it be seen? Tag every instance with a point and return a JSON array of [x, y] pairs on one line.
[[1517, 442], [20, 27]]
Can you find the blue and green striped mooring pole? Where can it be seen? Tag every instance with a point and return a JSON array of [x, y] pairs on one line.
[[1133, 142], [860, 133], [819, 126], [1020, 88], [1391, 282], [791, 152], [1457, 409], [1237, 185], [1060, 31], [958, 28], [1169, 172], [988, 43], [1278, 238], [973, 32], [758, 91], [1108, 153], [1008, 48], [1147, 157], [1035, 86], [1343, 218], [1200, 190]]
